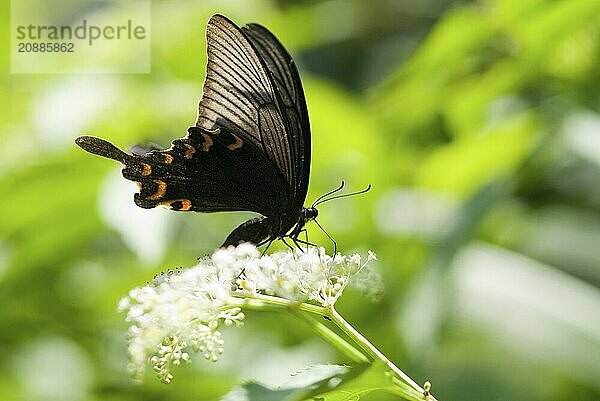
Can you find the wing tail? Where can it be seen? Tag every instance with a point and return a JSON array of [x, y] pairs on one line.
[[103, 148]]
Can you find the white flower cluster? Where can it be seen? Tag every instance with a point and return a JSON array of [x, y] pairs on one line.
[[182, 310], [302, 274]]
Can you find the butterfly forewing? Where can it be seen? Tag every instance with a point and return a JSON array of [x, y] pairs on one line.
[[246, 91], [236, 84], [285, 75]]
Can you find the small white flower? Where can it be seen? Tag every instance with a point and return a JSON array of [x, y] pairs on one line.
[[182, 310]]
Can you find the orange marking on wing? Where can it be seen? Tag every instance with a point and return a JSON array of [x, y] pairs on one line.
[[160, 191], [146, 169], [168, 158], [237, 144], [208, 142], [190, 151], [139, 185], [186, 204]]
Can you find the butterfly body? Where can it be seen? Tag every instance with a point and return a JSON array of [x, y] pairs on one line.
[[250, 148], [265, 229]]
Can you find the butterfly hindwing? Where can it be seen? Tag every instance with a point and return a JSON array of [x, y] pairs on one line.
[[206, 171], [218, 171]]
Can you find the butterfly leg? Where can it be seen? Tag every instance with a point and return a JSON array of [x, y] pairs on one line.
[[307, 243], [295, 235], [268, 241], [261, 243], [300, 241], [296, 241], [286, 243]]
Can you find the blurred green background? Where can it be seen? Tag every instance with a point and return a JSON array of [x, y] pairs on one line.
[[478, 125]]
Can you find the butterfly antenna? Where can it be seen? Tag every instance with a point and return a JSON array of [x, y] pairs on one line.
[[367, 189], [329, 236], [328, 193]]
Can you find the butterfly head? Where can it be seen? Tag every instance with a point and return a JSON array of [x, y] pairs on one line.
[[310, 213]]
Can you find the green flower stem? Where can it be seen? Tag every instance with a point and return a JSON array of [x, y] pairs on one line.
[[404, 390], [406, 386], [331, 337], [265, 302], [374, 353]]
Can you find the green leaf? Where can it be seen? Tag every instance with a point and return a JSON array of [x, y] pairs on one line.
[[373, 378], [321, 383], [303, 385], [257, 392]]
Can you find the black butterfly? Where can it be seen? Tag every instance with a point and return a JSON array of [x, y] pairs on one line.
[[250, 148]]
